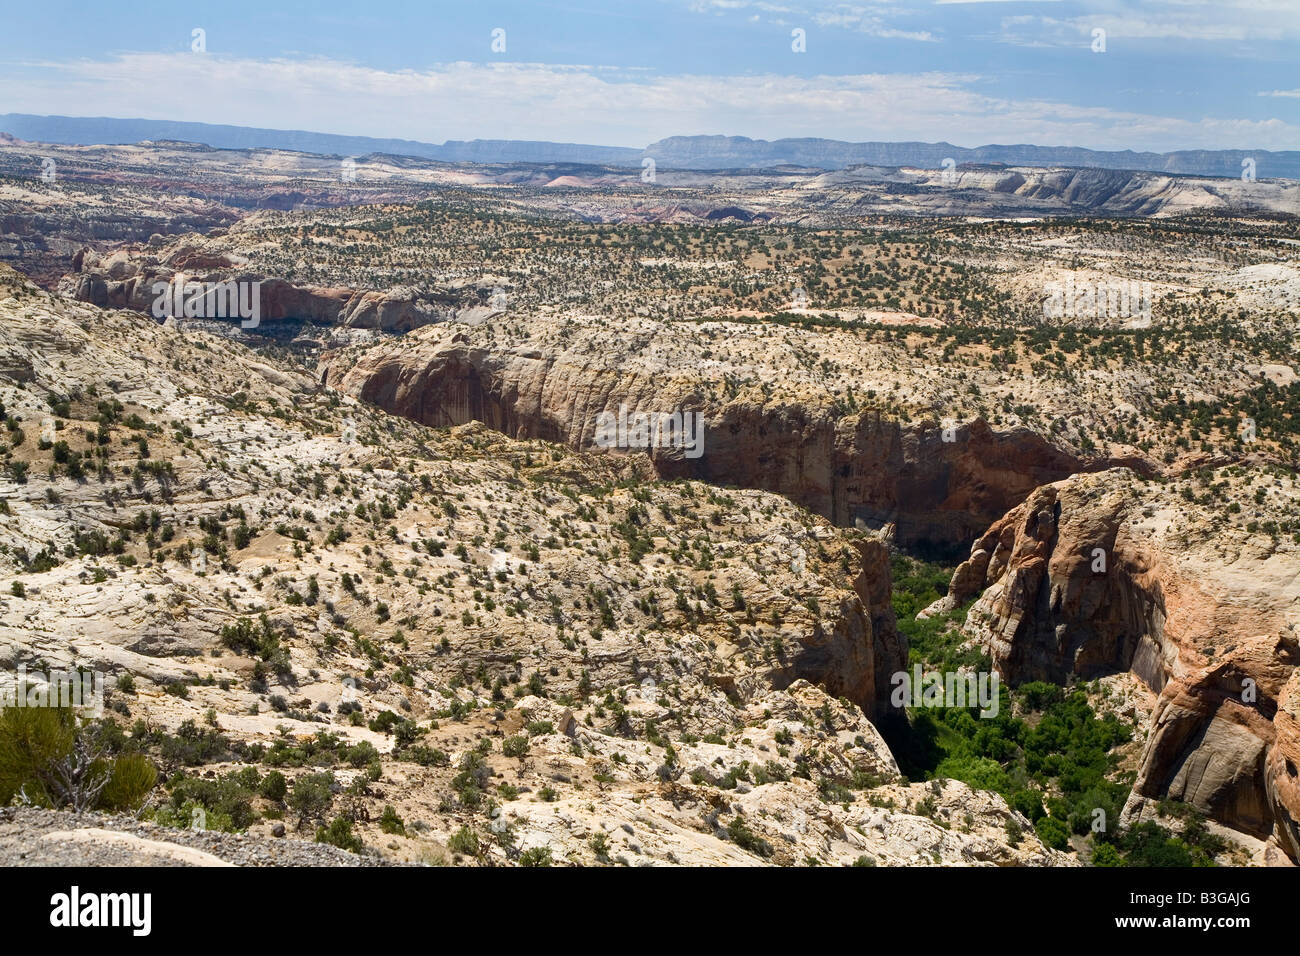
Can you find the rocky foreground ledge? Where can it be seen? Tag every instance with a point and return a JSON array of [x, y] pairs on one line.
[[33, 837]]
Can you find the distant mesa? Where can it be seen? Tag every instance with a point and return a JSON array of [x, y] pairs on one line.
[[674, 152]]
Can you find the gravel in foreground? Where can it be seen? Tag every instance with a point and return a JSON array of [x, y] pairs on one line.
[[34, 837]]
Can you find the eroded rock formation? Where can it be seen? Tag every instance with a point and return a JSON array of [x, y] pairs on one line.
[[1104, 573], [122, 281]]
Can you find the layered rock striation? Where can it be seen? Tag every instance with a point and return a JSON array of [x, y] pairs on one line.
[[1103, 573], [927, 485]]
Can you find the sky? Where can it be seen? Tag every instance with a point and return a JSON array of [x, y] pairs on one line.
[[1162, 74]]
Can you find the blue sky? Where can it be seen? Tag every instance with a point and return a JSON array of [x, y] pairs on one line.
[[1174, 74]]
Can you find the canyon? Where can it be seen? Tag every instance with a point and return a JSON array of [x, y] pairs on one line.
[[1077, 580], [778, 675], [383, 518], [933, 489]]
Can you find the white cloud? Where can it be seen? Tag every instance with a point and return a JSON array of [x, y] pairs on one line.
[[863, 22], [605, 105], [874, 19], [1234, 21], [1201, 20]]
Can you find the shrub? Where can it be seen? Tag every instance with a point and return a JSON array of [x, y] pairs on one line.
[[226, 802], [1149, 844], [361, 754], [1106, 855], [981, 773], [31, 739], [1039, 695], [537, 856], [1054, 833], [312, 796], [273, 786], [464, 841], [193, 745], [390, 822], [131, 779], [471, 780], [426, 756], [190, 812], [1028, 802], [339, 833], [740, 834]]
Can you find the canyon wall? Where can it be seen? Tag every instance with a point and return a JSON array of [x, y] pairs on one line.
[[1103, 573], [862, 468]]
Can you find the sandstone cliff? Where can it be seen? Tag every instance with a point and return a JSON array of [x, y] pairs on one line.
[[1104, 573], [927, 487]]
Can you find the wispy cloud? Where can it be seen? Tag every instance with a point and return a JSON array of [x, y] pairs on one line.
[[930, 20], [884, 19], [1232, 21]]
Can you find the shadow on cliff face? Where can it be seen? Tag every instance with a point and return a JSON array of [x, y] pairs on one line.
[[931, 491]]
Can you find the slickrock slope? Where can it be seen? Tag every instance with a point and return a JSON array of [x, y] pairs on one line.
[[686, 671], [778, 433], [1103, 573]]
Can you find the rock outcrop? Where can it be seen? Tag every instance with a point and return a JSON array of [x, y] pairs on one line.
[[1103, 573], [123, 281]]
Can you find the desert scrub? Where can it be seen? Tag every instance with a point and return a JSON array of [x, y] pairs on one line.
[[312, 796], [31, 740], [132, 777], [226, 803], [273, 787], [537, 856]]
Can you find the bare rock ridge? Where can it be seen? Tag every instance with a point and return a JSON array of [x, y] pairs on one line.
[[1100, 574], [864, 468]]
